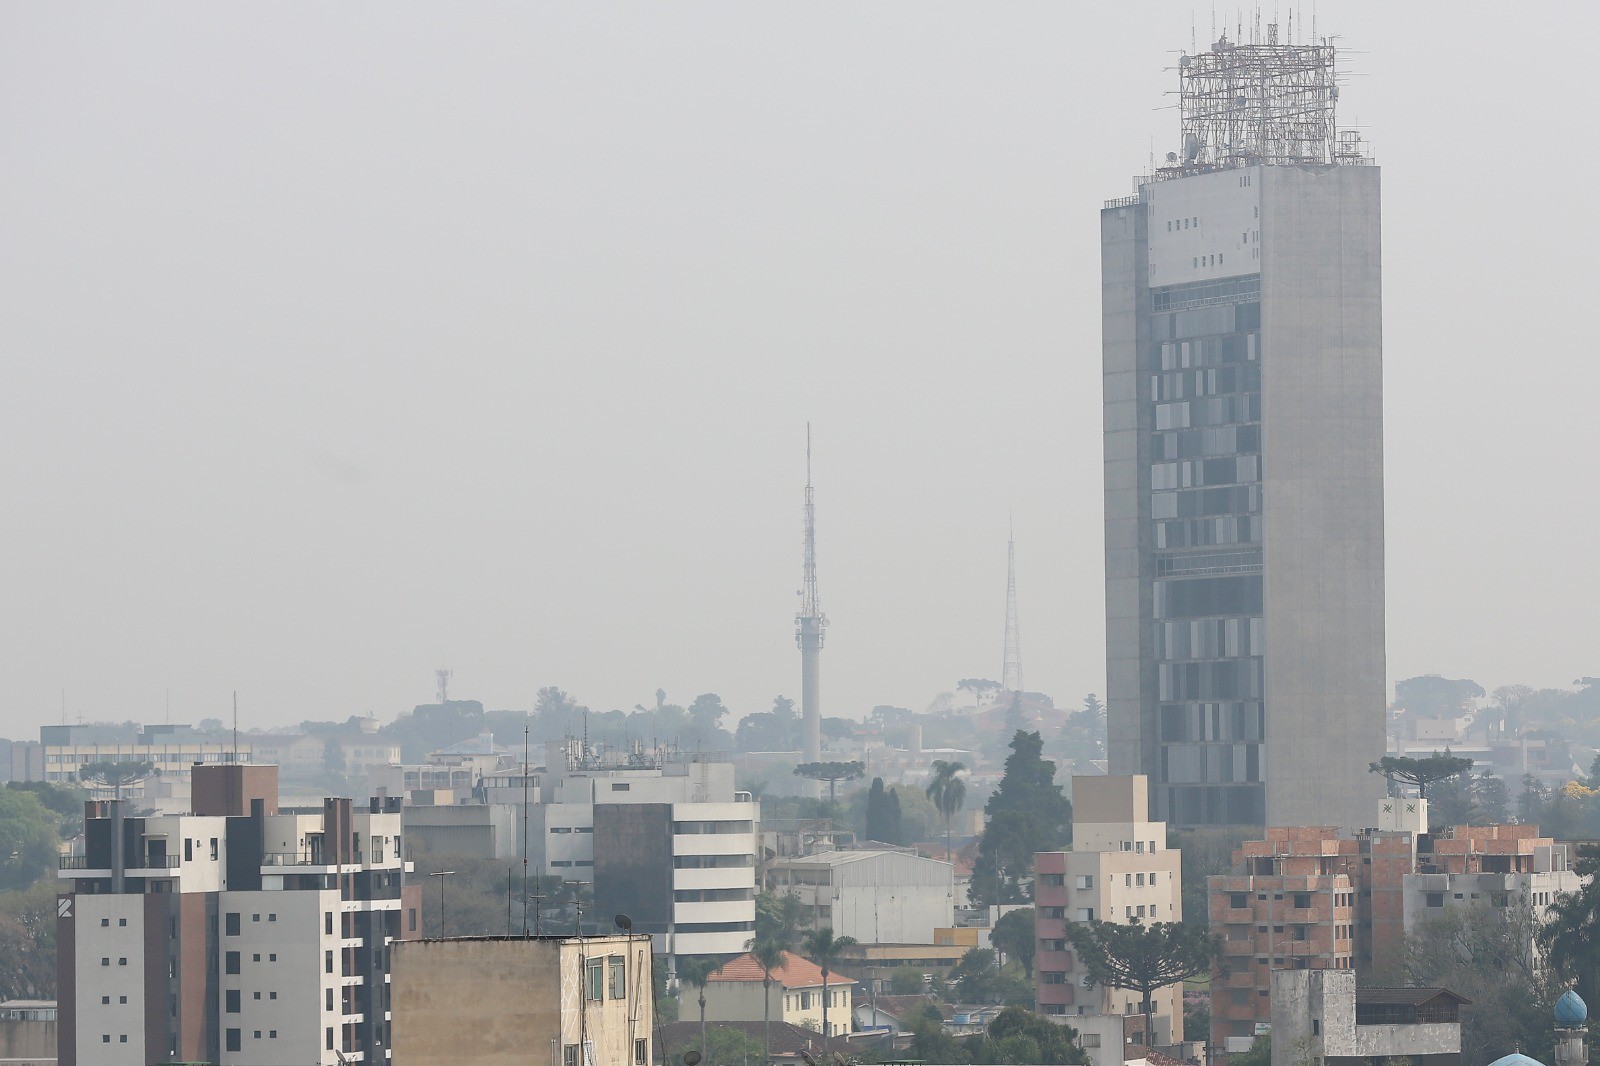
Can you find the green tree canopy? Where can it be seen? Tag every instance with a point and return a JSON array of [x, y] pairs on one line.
[[948, 793], [1571, 933], [1486, 953], [780, 917], [1018, 1035], [1421, 772], [831, 772], [1026, 814], [29, 841], [1141, 958], [883, 814], [1013, 935], [1432, 696], [115, 775]]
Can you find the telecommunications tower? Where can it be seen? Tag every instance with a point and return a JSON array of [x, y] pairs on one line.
[[809, 627], [1011, 672]]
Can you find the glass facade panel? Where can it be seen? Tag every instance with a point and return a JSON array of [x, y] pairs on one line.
[[1205, 500]]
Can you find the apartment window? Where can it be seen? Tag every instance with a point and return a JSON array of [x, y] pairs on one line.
[[105, 962], [256, 957], [328, 1034], [232, 997], [1054, 977], [105, 923], [1127, 880], [122, 999], [255, 917], [272, 917], [641, 1052], [214, 859], [256, 1035], [257, 995], [272, 995], [621, 786], [235, 1039], [619, 977], [411, 919], [327, 999], [122, 962], [1302, 900], [1085, 914], [597, 980], [1085, 881], [272, 1034], [327, 923], [105, 999], [188, 850], [105, 1038], [569, 1055], [231, 962], [231, 923], [327, 962], [272, 957], [1435, 899]]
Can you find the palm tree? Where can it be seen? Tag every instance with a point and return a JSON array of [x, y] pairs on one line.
[[824, 947], [769, 955], [948, 793], [696, 971]]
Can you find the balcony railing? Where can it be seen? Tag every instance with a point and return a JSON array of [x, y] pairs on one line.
[[164, 862], [135, 862]]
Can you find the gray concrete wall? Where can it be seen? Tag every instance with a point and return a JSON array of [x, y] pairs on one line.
[[1322, 493], [1130, 661]]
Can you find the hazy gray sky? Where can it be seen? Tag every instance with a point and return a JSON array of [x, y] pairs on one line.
[[342, 342]]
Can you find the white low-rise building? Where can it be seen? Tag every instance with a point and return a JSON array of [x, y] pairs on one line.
[[877, 897]]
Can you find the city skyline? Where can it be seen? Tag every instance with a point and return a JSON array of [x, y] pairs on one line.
[[304, 410]]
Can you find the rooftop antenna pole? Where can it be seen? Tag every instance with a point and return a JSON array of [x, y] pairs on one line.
[[235, 757]]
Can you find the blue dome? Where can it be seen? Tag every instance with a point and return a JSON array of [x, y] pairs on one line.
[[1516, 1059], [1571, 1010]]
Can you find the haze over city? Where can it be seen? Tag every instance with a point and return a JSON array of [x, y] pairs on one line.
[[347, 343]]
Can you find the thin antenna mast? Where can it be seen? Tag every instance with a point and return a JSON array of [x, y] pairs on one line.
[[1011, 672], [235, 757], [810, 626], [525, 830]]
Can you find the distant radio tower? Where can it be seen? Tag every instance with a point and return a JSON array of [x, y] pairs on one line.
[[1011, 673], [809, 626], [444, 685]]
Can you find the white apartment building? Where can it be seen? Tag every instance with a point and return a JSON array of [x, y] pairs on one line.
[[235, 935], [1119, 870]]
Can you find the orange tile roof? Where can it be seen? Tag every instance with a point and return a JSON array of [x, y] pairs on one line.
[[795, 972]]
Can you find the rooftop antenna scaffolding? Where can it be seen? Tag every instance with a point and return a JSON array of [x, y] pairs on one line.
[[1264, 98], [443, 676], [1011, 672]]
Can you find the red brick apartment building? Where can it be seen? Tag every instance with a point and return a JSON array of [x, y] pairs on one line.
[[1309, 898]]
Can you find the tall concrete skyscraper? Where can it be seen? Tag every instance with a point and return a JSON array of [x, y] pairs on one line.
[[1242, 347]]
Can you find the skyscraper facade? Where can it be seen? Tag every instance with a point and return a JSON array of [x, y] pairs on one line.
[[1242, 350]]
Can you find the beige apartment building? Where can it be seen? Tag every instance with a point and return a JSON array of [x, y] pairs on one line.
[[1119, 870]]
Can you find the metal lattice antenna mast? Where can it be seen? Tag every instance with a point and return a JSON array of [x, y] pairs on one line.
[[443, 676], [1011, 673], [809, 627]]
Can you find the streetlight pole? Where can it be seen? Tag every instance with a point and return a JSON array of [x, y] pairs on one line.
[[441, 875]]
